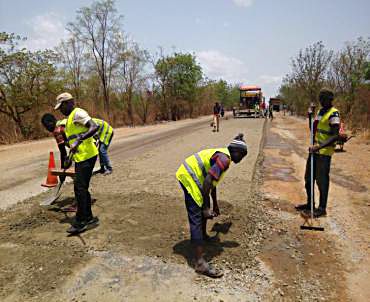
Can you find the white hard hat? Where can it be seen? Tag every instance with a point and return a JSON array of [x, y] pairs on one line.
[[65, 96]]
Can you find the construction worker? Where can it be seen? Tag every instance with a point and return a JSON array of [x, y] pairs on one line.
[[104, 136], [57, 128], [326, 133], [198, 176], [79, 131], [271, 112], [216, 117]]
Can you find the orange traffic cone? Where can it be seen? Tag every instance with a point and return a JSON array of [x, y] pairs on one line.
[[51, 180]]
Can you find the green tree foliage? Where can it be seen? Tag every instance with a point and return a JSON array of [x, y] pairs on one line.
[[179, 76], [26, 80]]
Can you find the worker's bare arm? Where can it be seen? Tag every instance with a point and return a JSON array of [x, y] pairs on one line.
[[63, 154], [93, 127], [207, 187], [216, 209]]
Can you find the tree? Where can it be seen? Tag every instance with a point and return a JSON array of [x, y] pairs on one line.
[[72, 54], [130, 73], [348, 70], [26, 78], [98, 26], [179, 75], [309, 69]]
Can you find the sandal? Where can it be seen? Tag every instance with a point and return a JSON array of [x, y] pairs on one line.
[[207, 270]]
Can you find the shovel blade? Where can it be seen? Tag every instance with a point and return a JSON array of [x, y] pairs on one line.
[[56, 194]]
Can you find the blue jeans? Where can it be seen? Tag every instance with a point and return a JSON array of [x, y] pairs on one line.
[[197, 223], [104, 158]]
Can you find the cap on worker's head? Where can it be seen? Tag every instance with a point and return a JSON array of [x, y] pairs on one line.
[[239, 143], [65, 96]]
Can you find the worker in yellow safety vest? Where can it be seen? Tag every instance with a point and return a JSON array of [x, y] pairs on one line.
[[104, 137], [326, 130], [199, 175], [79, 131]]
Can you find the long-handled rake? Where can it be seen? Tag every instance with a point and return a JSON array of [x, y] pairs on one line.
[[309, 219]]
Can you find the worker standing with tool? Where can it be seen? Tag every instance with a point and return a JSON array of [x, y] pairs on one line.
[[199, 175], [79, 131], [326, 132], [104, 137]]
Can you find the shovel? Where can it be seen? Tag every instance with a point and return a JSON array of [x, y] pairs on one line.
[[57, 190]]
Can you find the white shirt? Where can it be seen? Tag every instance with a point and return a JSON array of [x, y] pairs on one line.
[[81, 117]]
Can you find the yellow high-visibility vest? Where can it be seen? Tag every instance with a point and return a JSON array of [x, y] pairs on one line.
[[62, 122], [87, 149], [194, 170], [104, 132], [323, 132]]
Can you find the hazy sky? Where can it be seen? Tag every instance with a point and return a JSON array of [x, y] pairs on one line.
[[248, 41]]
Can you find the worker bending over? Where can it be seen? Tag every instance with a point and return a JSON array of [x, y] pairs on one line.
[[199, 175], [79, 131], [104, 137], [58, 130]]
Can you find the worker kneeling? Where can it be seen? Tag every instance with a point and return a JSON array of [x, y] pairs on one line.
[[198, 176]]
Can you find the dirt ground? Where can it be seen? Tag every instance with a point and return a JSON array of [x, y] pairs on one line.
[[329, 266], [140, 251]]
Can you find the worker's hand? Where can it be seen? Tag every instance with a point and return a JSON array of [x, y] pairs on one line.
[[216, 210], [208, 213], [314, 148], [75, 145], [67, 163]]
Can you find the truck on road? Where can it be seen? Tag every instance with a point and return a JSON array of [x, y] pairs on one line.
[[250, 99]]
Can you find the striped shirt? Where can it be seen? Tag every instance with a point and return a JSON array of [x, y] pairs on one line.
[[220, 162]]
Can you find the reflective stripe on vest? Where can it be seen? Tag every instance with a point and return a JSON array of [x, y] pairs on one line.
[[87, 149], [105, 131], [324, 132], [194, 170]]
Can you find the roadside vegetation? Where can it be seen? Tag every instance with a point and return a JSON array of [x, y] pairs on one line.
[[108, 73], [347, 72]]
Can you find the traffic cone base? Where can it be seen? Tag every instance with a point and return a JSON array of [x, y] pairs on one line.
[[51, 180]]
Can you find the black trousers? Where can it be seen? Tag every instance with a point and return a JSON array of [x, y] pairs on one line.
[[84, 171], [321, 170]]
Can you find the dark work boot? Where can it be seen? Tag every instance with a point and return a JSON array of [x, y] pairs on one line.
[[319, 212], [303, 207]]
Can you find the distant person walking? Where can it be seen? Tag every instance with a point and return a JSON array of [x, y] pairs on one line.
[[263, 109], [271, 114], [216, 117]]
